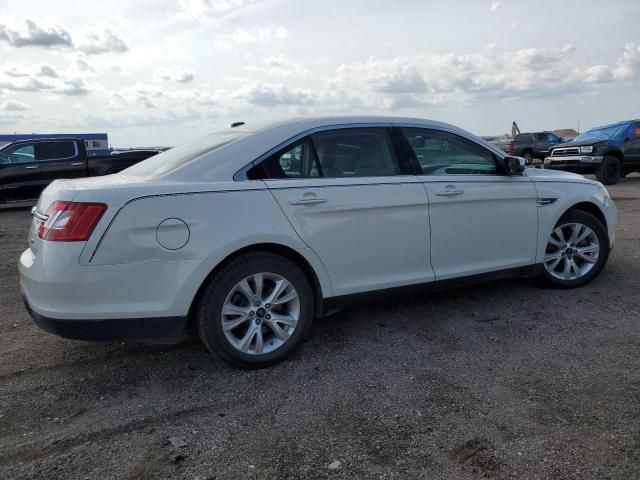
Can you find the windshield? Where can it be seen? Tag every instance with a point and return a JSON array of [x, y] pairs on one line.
[[604, 133], [175, 157]]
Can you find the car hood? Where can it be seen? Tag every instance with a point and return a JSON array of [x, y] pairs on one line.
[[539, 174], [581, 143]]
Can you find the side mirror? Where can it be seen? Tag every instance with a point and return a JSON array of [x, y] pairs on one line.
[[513, 165]]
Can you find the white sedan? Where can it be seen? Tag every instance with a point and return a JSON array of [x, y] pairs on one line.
[[247, 234]]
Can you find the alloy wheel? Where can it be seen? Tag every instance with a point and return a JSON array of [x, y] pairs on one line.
[[572, 251], [260, 313]]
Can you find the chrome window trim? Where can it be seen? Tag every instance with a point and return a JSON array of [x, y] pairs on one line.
[[241, 175]]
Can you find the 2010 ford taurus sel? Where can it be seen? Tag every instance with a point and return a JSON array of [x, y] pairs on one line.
[[246, 235]]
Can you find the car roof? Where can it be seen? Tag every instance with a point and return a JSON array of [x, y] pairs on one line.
[[268, 137]]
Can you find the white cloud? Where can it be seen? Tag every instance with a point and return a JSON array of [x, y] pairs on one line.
[[266, 95], [260, 34], [41, 79], [14, 106], [34, 35], [278, 65], [495, 6], [198, 9], [629, 65], [176, 74], [102, 40]]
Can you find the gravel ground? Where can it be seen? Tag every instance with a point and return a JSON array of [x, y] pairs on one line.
[[504, 380]]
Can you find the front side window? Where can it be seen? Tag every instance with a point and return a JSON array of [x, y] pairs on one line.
[[49, 151], [18, 154], [444, 153], [342, 153]]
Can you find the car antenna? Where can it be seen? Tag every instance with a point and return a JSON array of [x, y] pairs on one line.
[[237, 124]]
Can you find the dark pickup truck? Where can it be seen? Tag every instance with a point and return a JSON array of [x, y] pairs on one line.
[[611, 152], [530, 145], [28, 166]]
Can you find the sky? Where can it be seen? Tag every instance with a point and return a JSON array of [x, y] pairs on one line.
[[159, 72]]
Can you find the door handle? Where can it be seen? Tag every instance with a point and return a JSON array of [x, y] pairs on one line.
[[75, 164], [308, 198], [30, 167], [449, 190]]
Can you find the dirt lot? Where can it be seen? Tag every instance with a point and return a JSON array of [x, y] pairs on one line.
[[506, 380]]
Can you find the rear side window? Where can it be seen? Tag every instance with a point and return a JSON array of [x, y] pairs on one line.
[[47, 151], [523, 137], [342, 153]]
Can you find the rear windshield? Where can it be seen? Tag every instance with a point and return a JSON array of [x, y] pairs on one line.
[[176, 157]]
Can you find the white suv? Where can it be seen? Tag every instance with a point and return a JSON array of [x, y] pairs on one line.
[[247, 234]]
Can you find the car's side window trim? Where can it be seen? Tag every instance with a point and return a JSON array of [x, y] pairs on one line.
[[393, 144], [241, 175], [75, 154]]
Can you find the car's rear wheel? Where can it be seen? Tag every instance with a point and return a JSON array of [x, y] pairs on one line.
[[609, 171], [577, 250], [255, 310]]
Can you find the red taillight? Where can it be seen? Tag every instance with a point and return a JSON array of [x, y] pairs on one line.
[[71, 221], [511, 147]]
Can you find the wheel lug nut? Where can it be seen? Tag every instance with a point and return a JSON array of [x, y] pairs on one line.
[[252, 313], [257, 304], [267, 316], [268, 305]]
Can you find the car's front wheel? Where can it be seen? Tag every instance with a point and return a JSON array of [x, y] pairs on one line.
[[577, 250], [255, 310]]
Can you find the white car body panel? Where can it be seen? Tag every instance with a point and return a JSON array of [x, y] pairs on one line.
[[372, 233], [469, 235]]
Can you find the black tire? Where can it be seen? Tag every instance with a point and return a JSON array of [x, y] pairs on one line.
[[584, 218], [610, 171], [528, 157], [209, 324]]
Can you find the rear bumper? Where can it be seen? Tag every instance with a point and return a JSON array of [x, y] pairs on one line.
[[166, 330]]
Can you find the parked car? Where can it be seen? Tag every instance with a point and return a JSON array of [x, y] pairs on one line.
[[28, 166], [530, 145], [226, 236], [610, 152]]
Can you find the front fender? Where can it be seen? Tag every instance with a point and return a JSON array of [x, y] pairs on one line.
[[567, 195]]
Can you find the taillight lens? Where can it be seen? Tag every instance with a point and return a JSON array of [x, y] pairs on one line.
[[71, 221]]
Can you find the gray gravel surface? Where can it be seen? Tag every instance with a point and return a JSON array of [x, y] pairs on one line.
[[504, 380]]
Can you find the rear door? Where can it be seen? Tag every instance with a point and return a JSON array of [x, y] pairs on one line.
[[60, 159], [632, 149], [360, 210], [480, 220], [19, 173]]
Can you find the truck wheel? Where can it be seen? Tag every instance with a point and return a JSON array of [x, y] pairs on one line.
[[528, 157], [609, 171]]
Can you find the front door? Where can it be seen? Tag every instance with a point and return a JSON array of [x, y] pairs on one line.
[[19, 173], [481, 221], [364, 214]]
